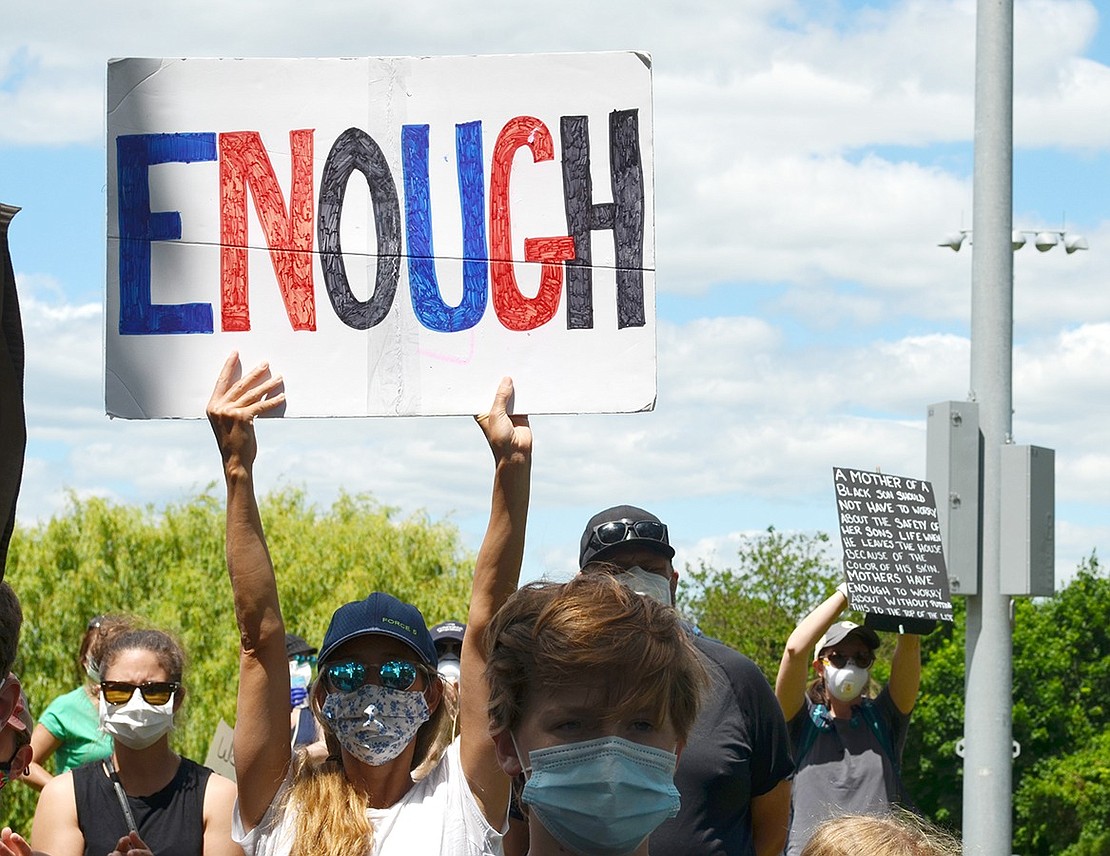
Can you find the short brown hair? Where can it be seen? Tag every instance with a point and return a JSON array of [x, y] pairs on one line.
[[592, 630], [170, 655]]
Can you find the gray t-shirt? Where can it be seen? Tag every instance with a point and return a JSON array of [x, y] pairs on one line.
[[845, 770]]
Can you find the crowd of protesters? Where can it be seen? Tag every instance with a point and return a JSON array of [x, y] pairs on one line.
[[584, 717]]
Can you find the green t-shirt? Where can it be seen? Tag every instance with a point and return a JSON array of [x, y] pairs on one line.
[[74, 720]]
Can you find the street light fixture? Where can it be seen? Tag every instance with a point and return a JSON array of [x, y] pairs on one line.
[[1043, 239], [1003, 472]]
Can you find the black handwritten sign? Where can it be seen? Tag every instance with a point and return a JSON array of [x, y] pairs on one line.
[[893, 560]]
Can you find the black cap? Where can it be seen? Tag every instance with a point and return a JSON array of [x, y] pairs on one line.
[[295, 644], [380, 613], [452, 630], [593, 550]]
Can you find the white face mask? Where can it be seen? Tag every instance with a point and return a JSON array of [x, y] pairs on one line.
[[136, 724], [450, 668], [649, 584], [846, 684]]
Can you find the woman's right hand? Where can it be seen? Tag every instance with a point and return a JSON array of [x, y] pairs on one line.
[[235, 401]]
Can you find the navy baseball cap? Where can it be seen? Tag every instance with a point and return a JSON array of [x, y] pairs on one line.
[[383, 614], [622, 524]]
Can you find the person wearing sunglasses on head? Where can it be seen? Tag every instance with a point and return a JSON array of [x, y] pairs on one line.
[[734, 776], [393, 782], [847, 746], [593, 692], [145, 798]]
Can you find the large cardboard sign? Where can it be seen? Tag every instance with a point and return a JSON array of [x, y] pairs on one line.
[[893, 559], [393, 234], [221, 751]]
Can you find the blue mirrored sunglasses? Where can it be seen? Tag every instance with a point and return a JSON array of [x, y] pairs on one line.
[[350, 675]]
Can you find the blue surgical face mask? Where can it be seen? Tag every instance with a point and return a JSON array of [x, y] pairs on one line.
[[601, 796]]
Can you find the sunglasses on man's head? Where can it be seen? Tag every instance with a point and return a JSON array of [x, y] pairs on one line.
[[838, 661], [350, 675], [153, 692], [616, 531]]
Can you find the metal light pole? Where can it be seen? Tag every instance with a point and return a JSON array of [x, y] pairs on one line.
[[988, 723]]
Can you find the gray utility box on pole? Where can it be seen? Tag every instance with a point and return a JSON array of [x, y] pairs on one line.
[[952, 466], [1028, 550]]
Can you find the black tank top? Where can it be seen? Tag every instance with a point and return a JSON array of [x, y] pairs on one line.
[[171, 821]]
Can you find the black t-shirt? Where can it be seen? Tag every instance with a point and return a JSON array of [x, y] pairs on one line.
[[171, 821], [737, 750]]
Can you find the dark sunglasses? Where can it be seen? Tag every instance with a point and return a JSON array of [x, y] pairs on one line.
[[350, 675], [839, 661], [616, 531], [304, 658], [154, 692]]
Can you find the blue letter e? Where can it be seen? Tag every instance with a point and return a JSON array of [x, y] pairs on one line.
[[138, 226]]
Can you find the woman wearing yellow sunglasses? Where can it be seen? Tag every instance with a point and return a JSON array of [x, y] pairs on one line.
[[145, 798]]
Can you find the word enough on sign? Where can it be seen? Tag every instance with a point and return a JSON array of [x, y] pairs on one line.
[[442, 187]]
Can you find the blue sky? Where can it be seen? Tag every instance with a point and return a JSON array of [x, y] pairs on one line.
[[809, 157]]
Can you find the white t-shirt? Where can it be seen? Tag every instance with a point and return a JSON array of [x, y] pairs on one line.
[[439, 815]]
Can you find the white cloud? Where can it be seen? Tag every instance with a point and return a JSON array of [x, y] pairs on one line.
[[804, 173]]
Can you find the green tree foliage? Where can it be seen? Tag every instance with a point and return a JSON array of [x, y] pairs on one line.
[[931, 770], [167, 568], [1063, 803], [1061, 718], [754, 606]]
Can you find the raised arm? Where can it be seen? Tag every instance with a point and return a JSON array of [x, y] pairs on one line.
[[496, 574], [905, 672], [790, 684], [262, 750]]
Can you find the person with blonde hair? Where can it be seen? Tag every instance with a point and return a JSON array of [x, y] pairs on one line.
[[393, 781], [593, 690], [901, 834]]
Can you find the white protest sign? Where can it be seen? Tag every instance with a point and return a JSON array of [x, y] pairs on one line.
[[221, 751], [392, 234]]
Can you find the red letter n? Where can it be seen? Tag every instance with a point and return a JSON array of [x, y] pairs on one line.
[[243, 162]]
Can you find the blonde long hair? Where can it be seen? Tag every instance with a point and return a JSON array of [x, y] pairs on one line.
[[330, 815]]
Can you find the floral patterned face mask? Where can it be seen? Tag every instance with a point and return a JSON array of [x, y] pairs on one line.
[[374, 723]]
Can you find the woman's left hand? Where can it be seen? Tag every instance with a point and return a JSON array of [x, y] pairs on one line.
[[508, 435]]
